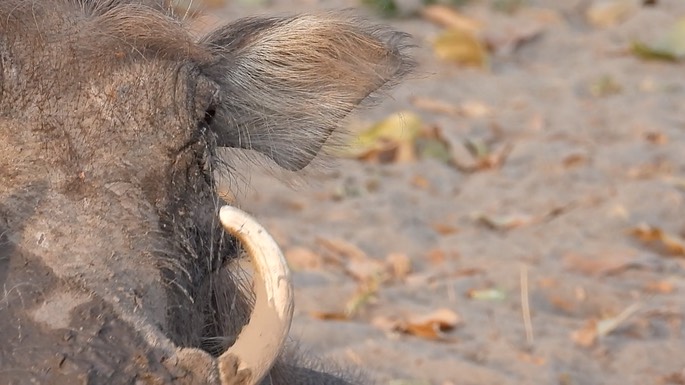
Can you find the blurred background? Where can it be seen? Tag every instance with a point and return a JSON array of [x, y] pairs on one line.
[[513, 213]]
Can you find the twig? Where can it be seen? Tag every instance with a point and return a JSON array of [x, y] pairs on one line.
[[525, 306]]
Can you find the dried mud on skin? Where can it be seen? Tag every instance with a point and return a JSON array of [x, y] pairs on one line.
[[563, 263]]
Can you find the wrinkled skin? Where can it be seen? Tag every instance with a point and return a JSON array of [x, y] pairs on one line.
[[113, 268]]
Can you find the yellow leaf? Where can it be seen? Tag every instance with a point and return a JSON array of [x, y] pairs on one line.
[[461, 47], [390, 140], [670, 47]]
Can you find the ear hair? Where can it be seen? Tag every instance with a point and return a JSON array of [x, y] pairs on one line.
[[286, 83]]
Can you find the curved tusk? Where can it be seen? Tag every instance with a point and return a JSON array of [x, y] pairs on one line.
[[262, 339]]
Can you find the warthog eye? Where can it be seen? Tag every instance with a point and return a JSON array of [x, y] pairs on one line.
[[210, 113]]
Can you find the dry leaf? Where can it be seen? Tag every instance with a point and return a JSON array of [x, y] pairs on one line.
[[504, 222], [660, 287], [390, 140], [302, 258], [329, 316], [482, 156], [667, 244], [675, 378], [604, 264], [507, 41], [474, 109], [342, 249], [450, 18], [469, 109], [593, 329], [399, 264], [587, 336], [487, 294], [436, 256], [468, 272], [670, 47], [574, 160], [435, 106], [420, 182], [608, 13], [365, 270], [562, 303], [355, 262], [431, 326], [535, 360], [656, 137], [444, 228], [461, 47]]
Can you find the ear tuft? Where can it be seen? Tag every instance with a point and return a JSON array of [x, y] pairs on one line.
[[287, 83]]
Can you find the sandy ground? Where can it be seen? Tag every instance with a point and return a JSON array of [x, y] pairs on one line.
[[557, 289]]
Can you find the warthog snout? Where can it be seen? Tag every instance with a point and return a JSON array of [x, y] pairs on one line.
[[114, 266]]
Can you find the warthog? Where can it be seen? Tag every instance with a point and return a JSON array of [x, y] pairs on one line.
[[114, 267]]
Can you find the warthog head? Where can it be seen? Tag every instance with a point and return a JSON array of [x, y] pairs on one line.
[[114, 267]]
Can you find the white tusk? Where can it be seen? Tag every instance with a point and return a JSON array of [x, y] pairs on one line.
[[262, 339]]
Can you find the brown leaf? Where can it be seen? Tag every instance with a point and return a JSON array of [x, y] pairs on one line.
[[507, 41], [675, 378], [399, 264], [656, 137], [468, 109], [365, 270], [329, 316], [604, 264], [431, 326], [593, 329], [665, 243], [435, 106], [474, 109], [574, 160], [468, 272], [529, 358], [660, 287], [562, 303], [587, 336], [444, 228], [436, 256], [420, 182], [300, 258], [483, 158], [342, 248]]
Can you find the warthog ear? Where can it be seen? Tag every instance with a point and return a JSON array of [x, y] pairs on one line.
[[288, 82]]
